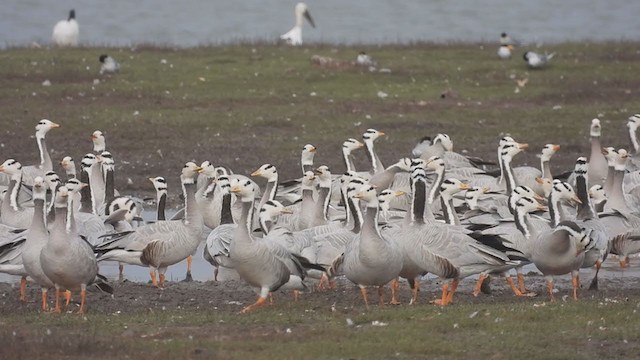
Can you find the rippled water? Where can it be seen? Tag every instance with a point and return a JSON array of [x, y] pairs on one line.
[[194, 22]]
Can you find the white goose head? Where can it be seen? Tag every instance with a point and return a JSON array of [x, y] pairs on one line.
[[74, 185], [99, 142], [308, 152], [633, 122], [272, 209], [371, 135], [546, 185], [581, 236], [189, 172], [511, 149], [597, 194], [621, 160], [564, 191], [611, 154], [596, 128], [350, 145], [68, 165], [367, 194], [452, 186], [267, 171], [52, 179], [243, 189], [324, 176], [11, 167], [527, 204], [548, 151], [208, 169], [43, 128], [385, 197], [525, 191], [87, 161], [308, 181], [107, 161], [39, 188], [62, 194], [435, 163], [472, 196], [404, 164], [445, 140], [159, 183]]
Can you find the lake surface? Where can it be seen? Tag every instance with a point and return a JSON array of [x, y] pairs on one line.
[[197, 22]]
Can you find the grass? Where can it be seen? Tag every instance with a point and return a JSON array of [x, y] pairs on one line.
[[243, 105], [593, 328]]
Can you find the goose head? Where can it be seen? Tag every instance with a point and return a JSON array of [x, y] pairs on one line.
[[564, 191], [452, 186], [272, 209], [159, 183], [472, 195], [68, 165], [435, 163], [527, 204], [74, 186], [548, 151], [11, 167], [525, 191], [418, 163], [39, 188], [367, 194], [511, 149], [611, 154], [324, 176], [597, 194], [62, 195], [621, 160], [371, 135], [580, 236], [189, 172], [43, 128], [308, 152], [633, 122], [596, 128], [268, 172], [52, 179], [385, 197], [445, 141], [545, 184], [243, 189], [99, 142], [107, 161], [87, 161], [404, 164], [208, 169], [308, 180], [350, 145]]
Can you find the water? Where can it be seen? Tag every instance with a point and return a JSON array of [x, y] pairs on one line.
[[195, 22]]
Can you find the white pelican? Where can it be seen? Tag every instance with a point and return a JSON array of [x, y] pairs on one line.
[[294, 36], [65, 33]]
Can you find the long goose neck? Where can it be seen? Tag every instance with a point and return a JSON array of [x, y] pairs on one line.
[[45, 158], [617, 199], [449, 212], [191, 212], [554, 209], [162, 204], [546, 169], [345, 201], [370, 230], [373, 157], [608, 184], [226, 216], [596, 148], [322, 204], [523, 224], [71, 219], [109, 189], [348, 163], [633, 139], [418, 202], [13, 191], [356, 213], [246, 219], [508, 175], [435, 187], [265, 225], [38, 223], [59, 225], [51, 209], [86, 200], [584, 209]]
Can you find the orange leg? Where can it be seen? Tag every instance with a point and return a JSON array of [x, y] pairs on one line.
[[523, 289], [45, 306], [23, 289], [261, 300], [270, 298], [476, 289], [445, 294], [161, 284], [67, 298], [83, 295], [515, 289], [189, 261], [454, 287], [57, 309], [550, 289], [414, 292], [154, 281], [394, 289], [363, 291], [575, 282], [323, 279], [381, 295], [296, 295]]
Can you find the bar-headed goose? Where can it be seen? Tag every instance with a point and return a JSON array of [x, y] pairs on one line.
[[30, 172]]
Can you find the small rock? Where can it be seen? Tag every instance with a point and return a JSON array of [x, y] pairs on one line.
[[46, 83]]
